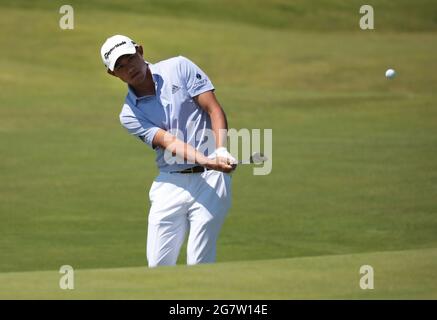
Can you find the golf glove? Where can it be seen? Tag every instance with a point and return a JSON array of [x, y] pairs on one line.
[[222, 152]]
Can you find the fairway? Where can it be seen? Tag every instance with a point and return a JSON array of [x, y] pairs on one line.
[[354, 178], [326, 277]]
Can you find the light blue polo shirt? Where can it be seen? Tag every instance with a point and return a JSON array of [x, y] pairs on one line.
[[173, 109]]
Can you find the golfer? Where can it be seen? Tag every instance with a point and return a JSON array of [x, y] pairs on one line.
[[171, 107]]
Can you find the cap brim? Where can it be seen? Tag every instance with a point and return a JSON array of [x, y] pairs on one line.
[[118, 53]]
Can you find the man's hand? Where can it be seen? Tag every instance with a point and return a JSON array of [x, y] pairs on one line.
[[220, 164], [223, 153], [222, 160]]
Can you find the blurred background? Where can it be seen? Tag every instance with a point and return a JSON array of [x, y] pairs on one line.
[[354, 154]]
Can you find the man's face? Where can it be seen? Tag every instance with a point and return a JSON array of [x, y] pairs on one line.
[[131, 68]]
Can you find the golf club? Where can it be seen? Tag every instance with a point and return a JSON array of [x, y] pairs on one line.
[[256, 158]]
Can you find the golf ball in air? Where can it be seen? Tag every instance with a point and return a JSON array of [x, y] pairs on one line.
[[390, 73]]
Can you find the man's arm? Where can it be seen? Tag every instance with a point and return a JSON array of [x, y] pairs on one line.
[[168, 141], [208, 102]]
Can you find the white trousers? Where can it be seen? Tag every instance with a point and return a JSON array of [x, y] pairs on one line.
[[194, 202]]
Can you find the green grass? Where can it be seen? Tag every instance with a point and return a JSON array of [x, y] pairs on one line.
[[317, 15], [354, 155], [396, 275]]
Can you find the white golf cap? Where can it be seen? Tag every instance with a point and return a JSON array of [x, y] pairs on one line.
[[114, 47]]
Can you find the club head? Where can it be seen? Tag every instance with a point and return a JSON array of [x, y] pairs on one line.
[[258, 157]]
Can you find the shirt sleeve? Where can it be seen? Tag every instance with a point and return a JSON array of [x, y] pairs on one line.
[[141, 128], [196, 80]]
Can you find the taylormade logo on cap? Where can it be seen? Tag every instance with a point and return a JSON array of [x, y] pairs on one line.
[[114, 47], [117, 45]]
